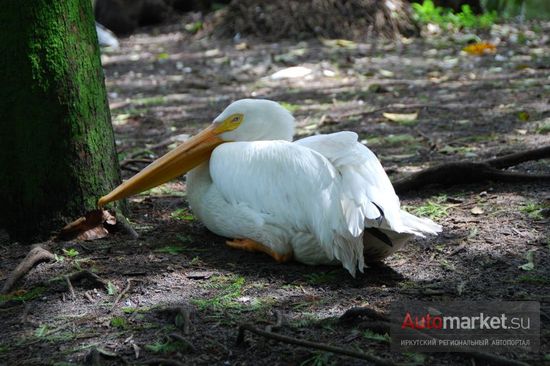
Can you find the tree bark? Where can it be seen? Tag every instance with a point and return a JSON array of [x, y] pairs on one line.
[[57, 153]]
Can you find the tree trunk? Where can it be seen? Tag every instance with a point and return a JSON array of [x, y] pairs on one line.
[[57, 153]]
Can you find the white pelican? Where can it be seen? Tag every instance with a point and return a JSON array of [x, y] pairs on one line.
[[323, 199]]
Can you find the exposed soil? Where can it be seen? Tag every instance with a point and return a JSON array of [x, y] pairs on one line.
[[165, 82]]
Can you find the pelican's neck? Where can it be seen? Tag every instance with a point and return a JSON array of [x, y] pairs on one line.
[[198, 182]]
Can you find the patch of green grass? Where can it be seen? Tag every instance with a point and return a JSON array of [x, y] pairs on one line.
[[451, 150], [119, 322], [416, 358], [544, 127], [369, 334], [129, 310], [321, 277], [290, 107], [23, 295], [427, 13], [41, 331], [534, 279], [166, 347], [182, 214], [161, 191], [433, 208], [151, 101], [319, 359], [171, 249], [306, 320], [71, 252], [399, 139], [533, 210], [229, 291]]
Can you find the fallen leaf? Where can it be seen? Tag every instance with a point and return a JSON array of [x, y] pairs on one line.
[[242, 46], [386, 73], [477, 211], [291, 73], [480, 49], [88, 227], [530, 265], [403, 118]]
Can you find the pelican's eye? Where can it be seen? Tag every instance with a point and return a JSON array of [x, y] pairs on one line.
[[230, 123]]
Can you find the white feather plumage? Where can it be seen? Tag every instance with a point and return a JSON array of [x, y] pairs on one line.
[[314, 197]]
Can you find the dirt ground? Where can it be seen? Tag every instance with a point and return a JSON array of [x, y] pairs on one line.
[[184, 280]]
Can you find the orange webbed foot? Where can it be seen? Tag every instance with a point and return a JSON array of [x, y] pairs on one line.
[[253, 246]]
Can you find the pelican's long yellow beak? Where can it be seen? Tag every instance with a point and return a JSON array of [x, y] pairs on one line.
[[175, 163]]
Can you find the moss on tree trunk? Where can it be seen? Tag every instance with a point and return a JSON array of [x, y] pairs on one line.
[[57, 153]]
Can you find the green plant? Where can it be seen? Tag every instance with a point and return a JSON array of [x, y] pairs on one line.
[[434, 208], [318, 359], [71, 252], [224, 299], [182, 214], [166, 346], [23, 295], [118, 322], [369, 334], [41, 331], [533, 210], [290, 107], [171, 249], [427, 12], [111, 289]]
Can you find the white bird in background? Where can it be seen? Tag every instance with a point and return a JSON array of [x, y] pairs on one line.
[[323, 199]]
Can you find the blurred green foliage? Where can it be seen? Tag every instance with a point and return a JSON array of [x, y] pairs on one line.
[[526, 9], [427, 12]]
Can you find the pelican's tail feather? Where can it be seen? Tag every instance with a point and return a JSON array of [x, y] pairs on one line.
[[419, 226]]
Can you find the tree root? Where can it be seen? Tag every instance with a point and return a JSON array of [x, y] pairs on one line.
[[35, 256], [308, 344], [464, 172], [382, 325]]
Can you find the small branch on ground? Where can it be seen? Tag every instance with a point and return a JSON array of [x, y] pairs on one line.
[[464, 172], [308, 344], [35, 256], [124, 225], [126, 289], [70, 286]]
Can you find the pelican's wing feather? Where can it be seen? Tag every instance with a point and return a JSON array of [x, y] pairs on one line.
[[293, 186], [367, 197]]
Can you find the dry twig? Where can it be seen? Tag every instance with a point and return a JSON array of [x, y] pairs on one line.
[[308, 344], [126, 289], [35, 256]]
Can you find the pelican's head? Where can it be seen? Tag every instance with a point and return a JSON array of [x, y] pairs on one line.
[[243, 120]]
